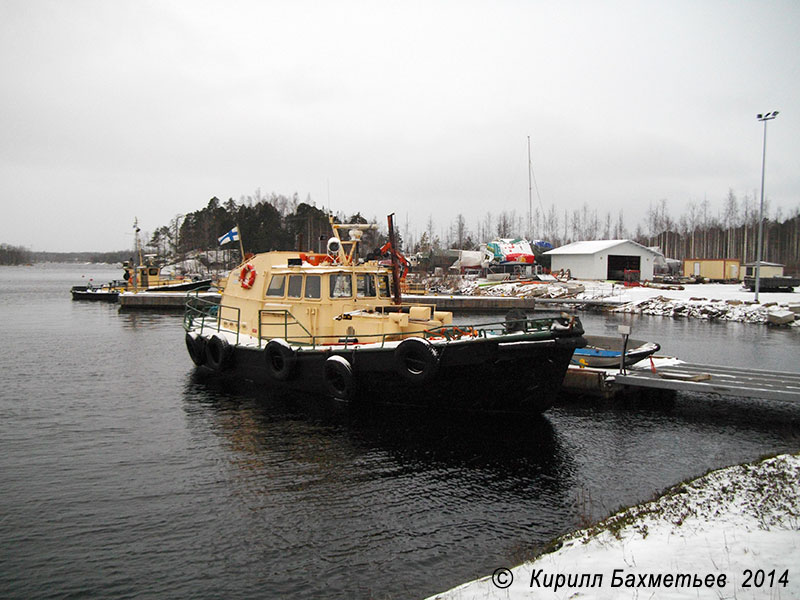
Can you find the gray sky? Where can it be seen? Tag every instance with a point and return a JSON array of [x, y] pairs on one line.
[[116, 109]]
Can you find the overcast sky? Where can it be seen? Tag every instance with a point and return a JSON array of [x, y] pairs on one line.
[[112, 110]]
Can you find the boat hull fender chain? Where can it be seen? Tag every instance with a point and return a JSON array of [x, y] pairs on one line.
[[196, 345], [416, 360], [247, 276], [337, 373], [279, 359], [218, 353]]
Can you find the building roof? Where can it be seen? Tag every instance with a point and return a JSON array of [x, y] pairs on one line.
[[595, 246], [763, 264]]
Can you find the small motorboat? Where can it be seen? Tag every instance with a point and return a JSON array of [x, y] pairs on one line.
[[604, 352], [108, 292]]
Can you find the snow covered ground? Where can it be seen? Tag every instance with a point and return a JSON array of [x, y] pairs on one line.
[[728, 302], [733, 533]]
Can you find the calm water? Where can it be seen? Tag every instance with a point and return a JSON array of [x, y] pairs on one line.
[[124, 474]]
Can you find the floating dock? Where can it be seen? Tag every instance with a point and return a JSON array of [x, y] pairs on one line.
[[707, 379], [161, 300], [715, 379]]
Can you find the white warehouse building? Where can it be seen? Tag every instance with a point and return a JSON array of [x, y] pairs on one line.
[[604, 259]]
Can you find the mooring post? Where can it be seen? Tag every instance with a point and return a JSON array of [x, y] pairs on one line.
[[625, 331]]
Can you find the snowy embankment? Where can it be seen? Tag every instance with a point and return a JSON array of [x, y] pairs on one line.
[[725, 302], [733, 533]]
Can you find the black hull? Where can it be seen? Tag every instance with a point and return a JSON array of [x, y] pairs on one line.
[[182, 287], [83, 293], [80, 292], [483, 376]]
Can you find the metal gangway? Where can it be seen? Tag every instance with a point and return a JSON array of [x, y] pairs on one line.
[[715, 379]]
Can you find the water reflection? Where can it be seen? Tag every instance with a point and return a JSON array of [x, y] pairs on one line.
[[415, 438], [382, 492], [134, 319]]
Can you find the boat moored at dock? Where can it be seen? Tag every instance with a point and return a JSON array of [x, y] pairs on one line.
[[141, 275], [335, 325], [604, 352]]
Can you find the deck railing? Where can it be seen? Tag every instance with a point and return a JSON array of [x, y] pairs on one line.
[[210, 315]]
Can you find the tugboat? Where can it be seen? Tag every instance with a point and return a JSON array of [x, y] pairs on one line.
[[334, 324], [138, 276]]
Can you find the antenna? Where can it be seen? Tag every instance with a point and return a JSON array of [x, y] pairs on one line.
[[532, 176], [530, 190]]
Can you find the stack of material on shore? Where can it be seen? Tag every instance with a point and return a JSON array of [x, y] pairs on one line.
[[520, 289], [701, 308]]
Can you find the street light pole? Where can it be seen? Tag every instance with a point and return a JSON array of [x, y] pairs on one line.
[[767, 117]]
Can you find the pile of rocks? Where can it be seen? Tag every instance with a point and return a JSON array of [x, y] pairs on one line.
[[701, 308], [556, 289]]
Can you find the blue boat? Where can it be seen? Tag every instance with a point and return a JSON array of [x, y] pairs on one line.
[[604, 352]]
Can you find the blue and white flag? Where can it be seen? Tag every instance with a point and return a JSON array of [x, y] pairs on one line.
[[231, 236]]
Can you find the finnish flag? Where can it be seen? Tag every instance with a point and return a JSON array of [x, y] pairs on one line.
[[231, 236]]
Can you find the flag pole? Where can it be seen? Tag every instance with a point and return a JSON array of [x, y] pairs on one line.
[[241, 245]]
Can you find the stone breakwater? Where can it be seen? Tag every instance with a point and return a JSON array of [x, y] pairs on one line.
[[702, 308]]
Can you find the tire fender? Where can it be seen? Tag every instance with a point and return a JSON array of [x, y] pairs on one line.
[[416, 360], [337, 374], [279, 359], [196, 345], [218, 353]]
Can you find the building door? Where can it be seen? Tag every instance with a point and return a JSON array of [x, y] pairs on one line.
[[618, 264]]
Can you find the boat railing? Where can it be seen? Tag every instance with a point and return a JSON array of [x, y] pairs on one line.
[[209, 314], [285, 320], [525, 326]]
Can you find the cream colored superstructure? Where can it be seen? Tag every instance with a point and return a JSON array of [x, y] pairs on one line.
[[325, 304]]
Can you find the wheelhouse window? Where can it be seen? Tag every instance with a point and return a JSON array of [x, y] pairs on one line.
[[295, 286], [341, 285], [384, 287], [276, 286], [365, 286], [312, 286]]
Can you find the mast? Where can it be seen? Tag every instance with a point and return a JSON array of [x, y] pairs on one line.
[[137, 253], [395, 263], [530, 190]]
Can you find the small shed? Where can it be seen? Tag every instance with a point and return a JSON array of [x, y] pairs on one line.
[[714, 269], [768, 269], [605, 259]]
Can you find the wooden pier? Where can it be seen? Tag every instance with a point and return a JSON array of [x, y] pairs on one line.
[[707, 379], [500, 303]]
